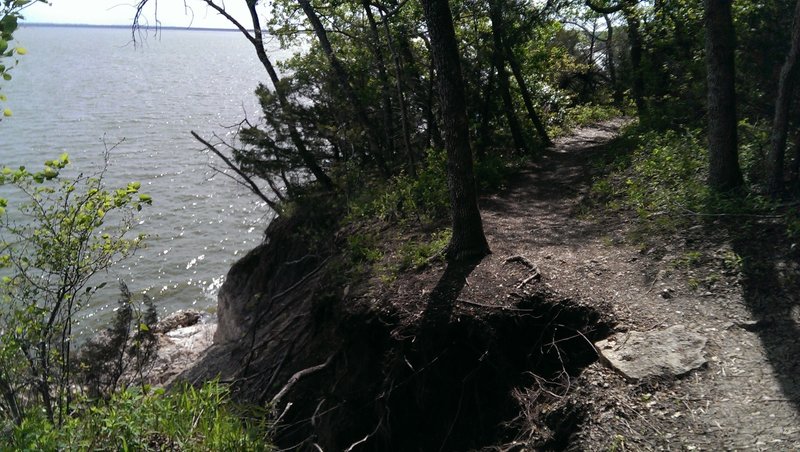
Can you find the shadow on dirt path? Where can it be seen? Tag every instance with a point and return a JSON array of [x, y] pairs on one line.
[[771, 290]]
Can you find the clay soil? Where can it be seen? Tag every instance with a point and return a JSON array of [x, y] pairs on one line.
[[731, 279]]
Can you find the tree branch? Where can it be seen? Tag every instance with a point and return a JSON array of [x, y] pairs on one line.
[[297, 376], [253, 187]]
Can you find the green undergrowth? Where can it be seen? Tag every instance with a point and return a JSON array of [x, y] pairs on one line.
[[424, 199], [417, 210], [185, 419], [582, 115], [661, 177]]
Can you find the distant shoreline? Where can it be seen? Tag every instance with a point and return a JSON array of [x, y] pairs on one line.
[[159, 28]]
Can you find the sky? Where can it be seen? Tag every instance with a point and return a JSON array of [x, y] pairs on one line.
[[121, 12]]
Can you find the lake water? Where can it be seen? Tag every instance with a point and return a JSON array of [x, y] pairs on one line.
[[78, 88]]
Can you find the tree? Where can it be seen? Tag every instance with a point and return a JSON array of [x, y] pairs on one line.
[[780, 122], [468, 239], [254, 35], [62, 237], [343, 78], [498, 51], [10, 13], [630, 12], [723, 173]]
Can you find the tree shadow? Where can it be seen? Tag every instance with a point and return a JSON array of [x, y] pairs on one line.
[[771, 287], [444, 295]]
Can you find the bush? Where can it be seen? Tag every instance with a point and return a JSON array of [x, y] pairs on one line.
[[64, 233], [664, 179], [425, 198], [185, 418]]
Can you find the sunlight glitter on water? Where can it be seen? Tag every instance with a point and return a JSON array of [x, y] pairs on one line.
[[143, 103]]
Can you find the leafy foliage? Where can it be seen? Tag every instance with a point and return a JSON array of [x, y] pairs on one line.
[[663, 179], [10, 13], [64, 234], [185, 418]]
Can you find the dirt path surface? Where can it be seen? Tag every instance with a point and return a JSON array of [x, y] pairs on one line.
[[723, 282]]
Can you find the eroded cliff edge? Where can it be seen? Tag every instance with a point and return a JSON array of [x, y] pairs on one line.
[[346, 357]]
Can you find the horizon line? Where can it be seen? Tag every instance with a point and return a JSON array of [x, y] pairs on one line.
[[149, 27]]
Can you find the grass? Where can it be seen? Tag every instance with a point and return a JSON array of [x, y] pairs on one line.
[[186, 419]]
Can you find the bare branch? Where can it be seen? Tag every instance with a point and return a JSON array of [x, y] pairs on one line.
[[253, 187], [297, 376]]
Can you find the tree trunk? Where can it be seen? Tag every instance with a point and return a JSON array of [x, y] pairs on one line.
[[628, 9], [794, 170], [485, 116], [526, 97], [635, 39], [611, 63], [780, 124], [724, 173], [468, 239], [257, 40], [496, 13], [383, 79], [496, 16], [344, 81], [401, 98], [508, 103], [433, 133]]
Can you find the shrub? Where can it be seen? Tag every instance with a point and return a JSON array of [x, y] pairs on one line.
[[185, 418], [64, 233]]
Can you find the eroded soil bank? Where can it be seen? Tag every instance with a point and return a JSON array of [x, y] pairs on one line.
[[497, 354]]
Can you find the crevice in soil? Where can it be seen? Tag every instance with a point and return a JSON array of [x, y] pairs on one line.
[[450, 383]]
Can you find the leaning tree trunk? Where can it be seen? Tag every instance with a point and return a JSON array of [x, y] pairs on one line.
[[502, 42], [468, 239], [794, 171], [485, 116], [508, 103], [383, 79], [496, 16], [401, 97], [526, 97], [257, 40], [723, 173], [780, 124], [344, 81]]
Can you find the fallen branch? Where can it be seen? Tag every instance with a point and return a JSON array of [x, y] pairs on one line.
[[522, 260], [492, 306], [297, 377], [535, 275]]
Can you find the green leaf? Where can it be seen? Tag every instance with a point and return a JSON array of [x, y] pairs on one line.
[[3, 45], [8, 24], [50, 173], [143, 327]]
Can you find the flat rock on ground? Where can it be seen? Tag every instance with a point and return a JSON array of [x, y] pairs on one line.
[[668, 352]]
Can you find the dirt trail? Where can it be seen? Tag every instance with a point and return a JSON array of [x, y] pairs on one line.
[[747, 398]]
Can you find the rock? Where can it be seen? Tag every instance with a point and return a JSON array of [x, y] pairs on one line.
[[178, 319], [178, 350], [669, 352]]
